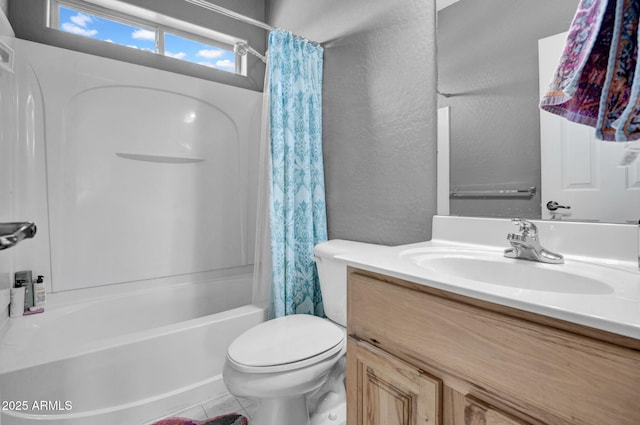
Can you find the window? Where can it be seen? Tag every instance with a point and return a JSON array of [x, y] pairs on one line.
[[200, 53], [158, 34], [88, 25]]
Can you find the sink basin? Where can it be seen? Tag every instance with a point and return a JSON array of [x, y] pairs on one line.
[[492, 268]]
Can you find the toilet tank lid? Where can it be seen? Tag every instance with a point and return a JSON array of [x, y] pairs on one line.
[[334, 247], [285, 340]]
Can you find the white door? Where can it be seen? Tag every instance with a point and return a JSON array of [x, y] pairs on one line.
[[578, 170]]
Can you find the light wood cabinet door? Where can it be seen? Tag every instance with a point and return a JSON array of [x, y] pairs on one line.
[[383, 390]]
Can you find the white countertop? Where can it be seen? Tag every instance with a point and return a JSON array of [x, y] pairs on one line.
[[616, 309]]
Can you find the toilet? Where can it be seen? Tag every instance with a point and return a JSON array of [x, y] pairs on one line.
[[281, 363]]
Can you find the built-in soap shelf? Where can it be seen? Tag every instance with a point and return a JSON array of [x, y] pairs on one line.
[[164, 159]]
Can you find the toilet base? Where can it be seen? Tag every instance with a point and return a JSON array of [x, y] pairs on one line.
[[287, 411], [336, 415]]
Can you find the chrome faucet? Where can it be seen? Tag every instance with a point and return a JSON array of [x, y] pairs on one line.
[[525, 245], [12, 233]]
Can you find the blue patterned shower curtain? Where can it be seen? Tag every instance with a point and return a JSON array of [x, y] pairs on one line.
[[298, 217]]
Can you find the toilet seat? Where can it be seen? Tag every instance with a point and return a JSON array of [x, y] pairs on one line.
[[286, 343]]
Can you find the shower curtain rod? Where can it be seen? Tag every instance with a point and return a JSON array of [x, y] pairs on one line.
[[235, 15], [230, 13]]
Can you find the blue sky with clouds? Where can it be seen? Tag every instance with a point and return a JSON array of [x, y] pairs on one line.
[[139, 38]]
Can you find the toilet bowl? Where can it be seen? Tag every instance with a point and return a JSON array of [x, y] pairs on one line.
[[280, 363]]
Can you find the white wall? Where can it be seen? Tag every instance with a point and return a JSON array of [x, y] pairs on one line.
[[131, 173]]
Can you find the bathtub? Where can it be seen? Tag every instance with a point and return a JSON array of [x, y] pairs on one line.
[[122, 356]]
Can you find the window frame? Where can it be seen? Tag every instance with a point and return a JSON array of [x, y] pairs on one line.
[[160, 29], [240, 61]]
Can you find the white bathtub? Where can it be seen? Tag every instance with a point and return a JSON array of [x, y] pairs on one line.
[[122, 356]]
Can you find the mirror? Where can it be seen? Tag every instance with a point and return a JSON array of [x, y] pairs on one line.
[[488, 78]]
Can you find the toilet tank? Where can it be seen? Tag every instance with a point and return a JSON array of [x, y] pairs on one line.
[[333, 276]]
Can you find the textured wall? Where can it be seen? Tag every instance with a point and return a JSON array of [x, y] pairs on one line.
[[28, 20], [379, 113], [490, 66]]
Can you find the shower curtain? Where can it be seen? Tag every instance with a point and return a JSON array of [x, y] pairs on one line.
[[293, 171]]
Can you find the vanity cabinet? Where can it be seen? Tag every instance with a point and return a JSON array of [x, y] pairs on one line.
[[419, 355], [390, 391]]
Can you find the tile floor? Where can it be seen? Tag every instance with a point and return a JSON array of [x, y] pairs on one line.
[[226, 403], [220, 405]]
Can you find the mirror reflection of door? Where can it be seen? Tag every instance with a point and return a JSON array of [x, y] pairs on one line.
[[578, 170]]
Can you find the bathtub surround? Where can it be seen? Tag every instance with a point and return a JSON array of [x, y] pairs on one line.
[[379, 119], [177, 174], [28, 20], [297, 211], [7, 137], [141, 199]]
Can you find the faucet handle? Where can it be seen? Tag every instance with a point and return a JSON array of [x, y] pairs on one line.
[[526, 227]]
